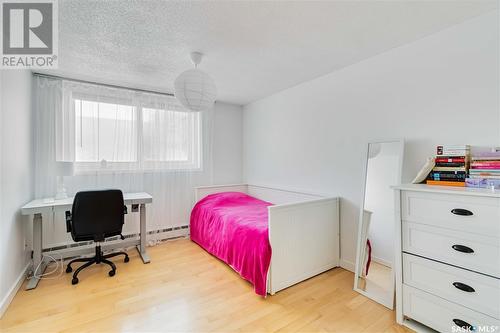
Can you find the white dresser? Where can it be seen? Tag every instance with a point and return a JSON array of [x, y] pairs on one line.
[[447, 259]]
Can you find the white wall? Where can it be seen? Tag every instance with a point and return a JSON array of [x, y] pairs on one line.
[[227, 144], [440, 89], [15, 177]]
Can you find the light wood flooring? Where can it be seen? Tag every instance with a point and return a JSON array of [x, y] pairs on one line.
[[184, 289]]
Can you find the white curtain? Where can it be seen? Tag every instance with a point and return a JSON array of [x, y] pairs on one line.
[[120, 138]]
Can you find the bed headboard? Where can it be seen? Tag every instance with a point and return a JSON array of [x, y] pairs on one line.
[[203, 191], [270, 194], [279, 196]]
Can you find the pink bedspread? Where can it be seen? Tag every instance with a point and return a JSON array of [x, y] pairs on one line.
[[234, 227]]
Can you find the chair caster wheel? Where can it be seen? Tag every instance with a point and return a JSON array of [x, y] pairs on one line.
[[126, 259], [111, 273], [69, 269], [74, 281]]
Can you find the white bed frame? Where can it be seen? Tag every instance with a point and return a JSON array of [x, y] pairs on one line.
[[303, 232]]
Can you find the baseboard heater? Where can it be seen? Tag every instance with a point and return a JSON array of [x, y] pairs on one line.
[[160, 235]]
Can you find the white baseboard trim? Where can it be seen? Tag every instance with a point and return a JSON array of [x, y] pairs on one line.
[[4, 304], [349, 265], [382, 261]]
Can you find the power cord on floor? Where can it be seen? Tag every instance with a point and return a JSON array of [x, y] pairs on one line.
[[44, 275], [155, 242]]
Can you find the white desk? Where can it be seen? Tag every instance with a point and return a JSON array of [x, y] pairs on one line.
[[39, 206]]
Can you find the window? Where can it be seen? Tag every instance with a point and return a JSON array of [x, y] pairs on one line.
[[105, 131], [171, 137], [129, 136]]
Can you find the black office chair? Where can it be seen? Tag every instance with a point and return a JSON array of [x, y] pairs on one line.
[[96, 215]]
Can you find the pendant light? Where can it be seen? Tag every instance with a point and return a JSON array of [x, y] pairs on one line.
[[195, 89]]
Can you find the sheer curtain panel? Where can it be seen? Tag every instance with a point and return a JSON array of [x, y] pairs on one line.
[[120, 138]]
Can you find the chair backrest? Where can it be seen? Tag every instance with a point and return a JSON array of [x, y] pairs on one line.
[[97, 215]]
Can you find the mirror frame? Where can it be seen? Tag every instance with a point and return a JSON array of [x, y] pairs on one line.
[[389, 303]]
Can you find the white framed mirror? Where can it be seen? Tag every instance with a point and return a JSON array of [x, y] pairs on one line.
[[374, 275]]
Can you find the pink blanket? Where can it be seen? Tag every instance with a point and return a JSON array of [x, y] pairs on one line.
[[234, 227]]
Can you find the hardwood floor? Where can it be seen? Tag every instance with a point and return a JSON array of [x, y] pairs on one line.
[[186, 289]]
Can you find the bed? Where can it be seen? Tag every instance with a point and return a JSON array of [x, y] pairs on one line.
[[272, 237]]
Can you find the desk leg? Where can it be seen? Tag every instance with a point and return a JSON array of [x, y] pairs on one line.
[[37, 252], [142, 246]]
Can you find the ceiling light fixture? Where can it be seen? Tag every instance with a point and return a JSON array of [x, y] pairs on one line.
[[194, 88]]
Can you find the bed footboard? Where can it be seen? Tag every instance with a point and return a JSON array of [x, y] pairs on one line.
[[304, 239]]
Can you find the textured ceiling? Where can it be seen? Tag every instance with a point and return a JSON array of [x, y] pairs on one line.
[[253, 49]]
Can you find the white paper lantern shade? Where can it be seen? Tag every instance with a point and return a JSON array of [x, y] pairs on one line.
[[195, 90]]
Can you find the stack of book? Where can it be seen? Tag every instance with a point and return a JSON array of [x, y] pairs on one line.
[[485, 169], [452, 165]]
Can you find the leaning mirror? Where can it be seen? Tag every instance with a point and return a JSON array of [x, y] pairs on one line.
[[374, 275]]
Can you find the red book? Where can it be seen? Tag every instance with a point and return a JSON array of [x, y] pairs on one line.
[[486, 164], [450, 160], [486, 167]]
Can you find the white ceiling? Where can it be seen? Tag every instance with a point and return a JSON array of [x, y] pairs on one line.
[[253, 48]]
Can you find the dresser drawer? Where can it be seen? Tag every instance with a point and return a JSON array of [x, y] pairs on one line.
[[442, 315], [453, 247], [479, 215], [466, 288]]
